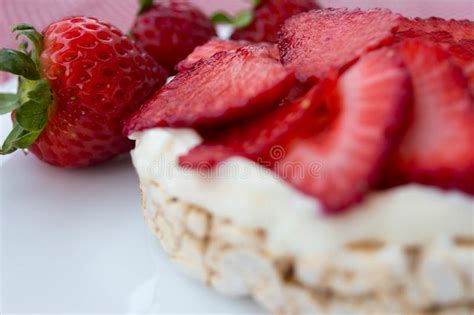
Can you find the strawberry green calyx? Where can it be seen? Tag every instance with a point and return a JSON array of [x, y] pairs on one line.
[[242, 19], [144, 6], [29, 106]]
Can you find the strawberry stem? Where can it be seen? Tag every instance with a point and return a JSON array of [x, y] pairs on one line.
[[144, 6], [242, 19], [34, 96]]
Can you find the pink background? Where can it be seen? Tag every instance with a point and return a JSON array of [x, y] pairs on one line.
[[121, 12]]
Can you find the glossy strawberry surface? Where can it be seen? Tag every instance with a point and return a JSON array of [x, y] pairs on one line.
[[99, 78], [170, 30]]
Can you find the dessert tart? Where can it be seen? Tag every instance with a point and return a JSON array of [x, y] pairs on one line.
[[337, 179]]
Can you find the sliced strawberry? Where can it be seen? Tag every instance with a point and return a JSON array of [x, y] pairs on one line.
[[435, 36], [462, 53], [216, 45], [342, 163], [446, 34], [316, 41], [209, 49], [331, 143], [264, 50], [459, 29], [227, 87], [256, 138], [437, 148], [299, 89]]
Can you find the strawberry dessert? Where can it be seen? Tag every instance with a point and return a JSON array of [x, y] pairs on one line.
[[331, 173]]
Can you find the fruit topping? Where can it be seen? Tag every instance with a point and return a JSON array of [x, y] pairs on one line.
[[227, 87], [317, 41], [216, 45], [459, 29], [437, 148], [332, 143]]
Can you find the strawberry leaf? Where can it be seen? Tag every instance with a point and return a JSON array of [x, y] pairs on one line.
[[221, 18], [19, 138], [32, 115], [19, 63], [36, 38], [22, 27], [243, 19], [8, 145], [40, 92], [8, 103], [26, 139], [144, 6]]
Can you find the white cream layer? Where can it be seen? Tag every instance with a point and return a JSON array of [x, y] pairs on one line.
[[255, 197]]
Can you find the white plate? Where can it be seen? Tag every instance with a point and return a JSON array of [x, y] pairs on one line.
[[74, 241]]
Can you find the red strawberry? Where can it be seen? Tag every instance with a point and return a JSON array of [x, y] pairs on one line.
[[209, 49], [334, 140], [268, 18], [92, 77], [462, 53], [216, 45], [255, 138], [455, 36], [226, 87], [316, 41], [435, 36], [459, 29], [169, 30], [437, 148]]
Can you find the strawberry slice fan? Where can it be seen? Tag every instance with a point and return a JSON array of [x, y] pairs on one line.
[[78, 81], [335, 123], [331, 125], [353, 131]]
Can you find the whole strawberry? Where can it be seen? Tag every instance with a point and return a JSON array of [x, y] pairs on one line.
[[78, 83], [169, 30], [269, 16]]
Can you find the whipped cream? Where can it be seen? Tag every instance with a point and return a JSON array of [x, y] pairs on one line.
[[255, 197]]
